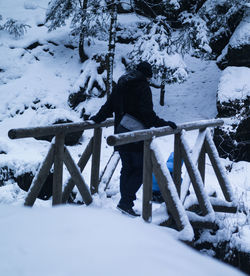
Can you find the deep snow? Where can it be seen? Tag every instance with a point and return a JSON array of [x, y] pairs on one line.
[[97, 239]]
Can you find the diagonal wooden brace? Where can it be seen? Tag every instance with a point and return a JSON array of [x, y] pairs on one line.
[[218, 168], [169, 193], [77, 177], [81, 164], [196, 179], [198, 150], [40, 177]]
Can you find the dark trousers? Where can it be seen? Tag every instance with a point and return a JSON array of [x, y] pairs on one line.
[[131, 176]]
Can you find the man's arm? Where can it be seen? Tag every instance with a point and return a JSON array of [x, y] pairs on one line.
[[147, 115], [105, 111]]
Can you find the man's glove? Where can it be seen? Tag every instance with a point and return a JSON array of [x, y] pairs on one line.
[[172, 124]]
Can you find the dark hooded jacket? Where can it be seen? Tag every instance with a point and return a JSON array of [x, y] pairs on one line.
[[131, 95]]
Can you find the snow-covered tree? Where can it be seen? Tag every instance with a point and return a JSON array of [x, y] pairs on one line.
[[195, 34], [111, 45], [222, 18], [152, 8], [14, 27], [160, 48], [91, 82], [87, 19]]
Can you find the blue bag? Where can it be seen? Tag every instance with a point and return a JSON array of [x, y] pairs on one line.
[[170, 165]]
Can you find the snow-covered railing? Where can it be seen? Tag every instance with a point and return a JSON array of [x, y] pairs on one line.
[[173, 189], [59, 154]]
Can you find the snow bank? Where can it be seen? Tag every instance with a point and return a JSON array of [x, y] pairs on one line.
[[79, 240], [234, 84]]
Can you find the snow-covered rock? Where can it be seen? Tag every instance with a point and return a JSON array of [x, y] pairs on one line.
[[237, 52], [233, 102]]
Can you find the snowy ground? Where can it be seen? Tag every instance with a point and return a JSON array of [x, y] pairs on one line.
[[97, 239]]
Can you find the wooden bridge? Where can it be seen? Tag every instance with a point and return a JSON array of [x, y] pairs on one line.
[[174, 189]]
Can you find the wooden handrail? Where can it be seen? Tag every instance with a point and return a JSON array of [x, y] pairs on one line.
[[17, 133], [136, 136], [173, 189]]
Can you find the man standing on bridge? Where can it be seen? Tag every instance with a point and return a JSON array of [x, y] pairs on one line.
[[131, 101]]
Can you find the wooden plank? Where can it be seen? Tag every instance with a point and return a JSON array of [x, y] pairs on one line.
[[139, 135], [196, 179], [147, 182], [109, 170], [202, 163], [77, 177], [40, 177], [169, 193], [204, 225], [200, 222], [217, 208], [195, 157], [96, 156], [177, 163], [58, 169], [218, 168], [56, 129], [225, 209], [86, 155], [81, 164]]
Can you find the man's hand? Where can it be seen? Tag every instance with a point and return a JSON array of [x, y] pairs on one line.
[[172, 124], [95, 119]]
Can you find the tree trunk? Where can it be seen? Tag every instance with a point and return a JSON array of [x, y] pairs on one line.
[[111, 45], [162, 92], [82, 54]]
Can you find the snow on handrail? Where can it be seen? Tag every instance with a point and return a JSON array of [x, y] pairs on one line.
[[17, 133], [139, 135]]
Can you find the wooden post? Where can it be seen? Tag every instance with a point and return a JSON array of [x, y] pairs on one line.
[[77, 177], [40, 177], [177, 163], [58, 169], [147, 182], [81, 164], [169, 193], [218, 168], [196, 179], [94, 182]]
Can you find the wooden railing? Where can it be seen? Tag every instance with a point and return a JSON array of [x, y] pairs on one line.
[[59, 154], [173, 189]]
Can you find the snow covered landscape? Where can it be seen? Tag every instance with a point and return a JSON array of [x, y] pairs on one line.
[[38, 72]]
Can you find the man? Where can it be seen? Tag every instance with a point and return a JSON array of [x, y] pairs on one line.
[[131, 101]]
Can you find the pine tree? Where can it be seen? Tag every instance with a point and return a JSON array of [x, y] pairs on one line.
[[14, 27], [160, 48], [86, 19], [195, 34]]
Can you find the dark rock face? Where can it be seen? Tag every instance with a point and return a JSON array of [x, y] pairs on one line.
[[89, 87], [233, 108], [5, 175], [233, 141], [71, 139], [237, 52], [236, 57], [76, 98], [24, 181]]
